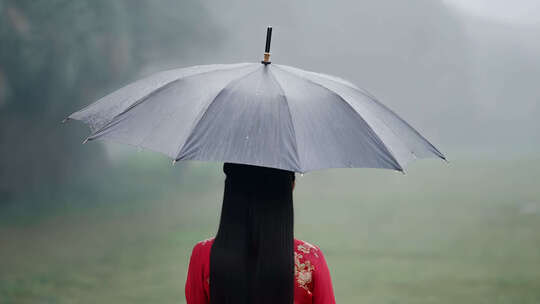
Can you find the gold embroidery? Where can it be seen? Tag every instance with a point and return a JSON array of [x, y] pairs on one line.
[[302, 249], [303, 271], [306, 248]]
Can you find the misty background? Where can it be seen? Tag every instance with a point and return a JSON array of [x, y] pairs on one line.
[[106, 223]]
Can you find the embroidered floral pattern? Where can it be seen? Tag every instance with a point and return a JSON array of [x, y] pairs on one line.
[[306, 248], [303, 269]]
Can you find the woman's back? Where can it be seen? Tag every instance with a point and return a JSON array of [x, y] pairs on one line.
[[311, 276]]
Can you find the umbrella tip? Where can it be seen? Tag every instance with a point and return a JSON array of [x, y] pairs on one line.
[[85, 141], [65, 120], [266, 59], [174, 162]]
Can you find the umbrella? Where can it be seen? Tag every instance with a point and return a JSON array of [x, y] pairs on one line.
[[260, 114]]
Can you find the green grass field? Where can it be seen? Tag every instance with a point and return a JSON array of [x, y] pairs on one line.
[[464, 232]]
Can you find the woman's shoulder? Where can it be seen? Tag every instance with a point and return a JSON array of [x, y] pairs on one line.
[[306, 249], [204, 245]]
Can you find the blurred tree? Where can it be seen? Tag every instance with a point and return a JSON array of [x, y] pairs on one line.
[[58, 55]]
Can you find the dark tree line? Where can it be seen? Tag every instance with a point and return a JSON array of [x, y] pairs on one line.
[[58, 55]]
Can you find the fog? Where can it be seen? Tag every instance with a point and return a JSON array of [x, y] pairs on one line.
[[105, 223], [462, 72], [524, 12]]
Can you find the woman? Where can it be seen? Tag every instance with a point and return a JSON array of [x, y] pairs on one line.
[[254, 258]]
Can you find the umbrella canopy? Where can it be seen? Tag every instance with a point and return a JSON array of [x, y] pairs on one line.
[[257, 114]]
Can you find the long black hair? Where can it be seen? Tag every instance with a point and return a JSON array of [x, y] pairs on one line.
[[251, 261]]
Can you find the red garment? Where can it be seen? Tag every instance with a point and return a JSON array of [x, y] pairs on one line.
[[312, 280]]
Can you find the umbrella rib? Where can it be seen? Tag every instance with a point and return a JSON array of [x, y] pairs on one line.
[[102, 100], [399, 167], [376, 101], [362, 91], [438, 153], [290, 117], [203, 115], [141, 143], [146, 97], [325, 76]]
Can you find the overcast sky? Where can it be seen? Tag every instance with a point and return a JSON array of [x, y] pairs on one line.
[[526, 12]]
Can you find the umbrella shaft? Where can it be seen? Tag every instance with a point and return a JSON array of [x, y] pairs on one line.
[[266, 59], [268, 39]]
